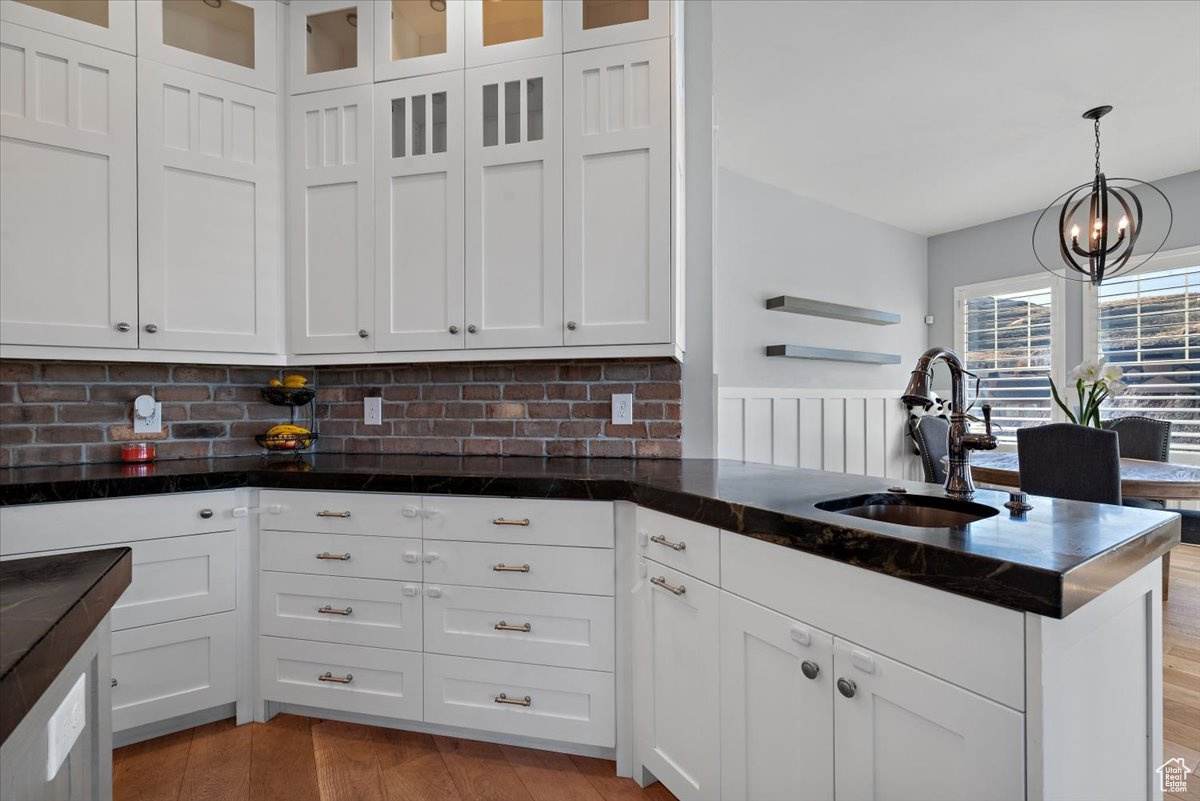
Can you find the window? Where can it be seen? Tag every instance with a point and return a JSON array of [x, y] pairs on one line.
[[1148, 322], [1010, 337]]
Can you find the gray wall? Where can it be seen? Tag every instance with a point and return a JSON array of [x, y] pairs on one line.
[[773, 242]]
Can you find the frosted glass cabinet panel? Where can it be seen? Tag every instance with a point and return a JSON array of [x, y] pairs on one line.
[[514, 204], [107, 23], [329, 221], [208, 214], [417, 37], [331, 44], [229, 39], [600, 23], [68, 196], [419, 162], [509, 30]]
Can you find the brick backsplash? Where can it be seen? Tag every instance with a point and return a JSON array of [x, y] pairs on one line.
[[69, 412]]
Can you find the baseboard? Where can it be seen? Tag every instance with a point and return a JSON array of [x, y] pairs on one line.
[[171, 725]]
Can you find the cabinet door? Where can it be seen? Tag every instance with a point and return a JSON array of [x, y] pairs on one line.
[[514, 205], [330, 44], [330, 269], [415, 37], [233, 40], [107, 23], [419, 162], [600, 23], [208, 227], [676, 686], [911, 735], [617, 195], [68, 197], [509, 30], [776, 721]]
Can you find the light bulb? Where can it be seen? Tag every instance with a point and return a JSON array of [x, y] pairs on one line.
[[1123, 225], [1075, 232]]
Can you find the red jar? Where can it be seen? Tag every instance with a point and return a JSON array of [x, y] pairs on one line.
[[137, 452]]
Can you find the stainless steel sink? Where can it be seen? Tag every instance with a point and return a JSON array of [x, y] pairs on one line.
[[924, 511]]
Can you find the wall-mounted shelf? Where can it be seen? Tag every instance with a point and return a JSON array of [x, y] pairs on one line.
[[835, 311], [832, 354]]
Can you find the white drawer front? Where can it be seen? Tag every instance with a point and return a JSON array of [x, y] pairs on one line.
[[340, 555], [373, 681], [688, 547], [577, 706], [80, 524], [178, 578], [173, 669], [381, 614], [368, 513], [564, 630], [519, 520], [522, 567]]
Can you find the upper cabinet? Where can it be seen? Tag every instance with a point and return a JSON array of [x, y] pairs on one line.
[[601, 23], [510, 30], [418, 37], [68, 180], [229, 39], [330, 44], [107, 23]]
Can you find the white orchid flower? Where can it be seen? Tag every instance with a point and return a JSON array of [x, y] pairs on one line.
[[1086, 370], [1112, 374], [1117, 388]]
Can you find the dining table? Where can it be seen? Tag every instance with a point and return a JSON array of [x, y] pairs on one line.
[[1140, 478]]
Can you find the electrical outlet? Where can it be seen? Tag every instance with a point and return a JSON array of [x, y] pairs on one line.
[[147, 415], [373, 411], [622, 410], [65, 726]]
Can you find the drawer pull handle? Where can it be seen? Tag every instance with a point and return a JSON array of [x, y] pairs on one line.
[[662, 582], [503, 626], [503, 568], [509, 521], [329, 610], [503, 698], [674, 546], [327, 513], [341, 557], [327, 676]]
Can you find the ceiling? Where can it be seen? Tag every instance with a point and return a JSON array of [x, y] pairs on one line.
[[935, 116]]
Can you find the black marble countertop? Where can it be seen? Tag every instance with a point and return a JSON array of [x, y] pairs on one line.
[[49, 606], [1050, 562]]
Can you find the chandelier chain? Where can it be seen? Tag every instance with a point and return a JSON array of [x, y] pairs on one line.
[[1097, 129]]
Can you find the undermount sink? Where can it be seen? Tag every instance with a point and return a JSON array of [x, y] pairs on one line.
[[924, 511]]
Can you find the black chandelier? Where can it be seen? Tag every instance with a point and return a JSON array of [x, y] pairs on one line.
[[1091, 208]]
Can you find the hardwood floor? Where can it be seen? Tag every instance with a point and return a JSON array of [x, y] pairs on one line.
[[302, 759]]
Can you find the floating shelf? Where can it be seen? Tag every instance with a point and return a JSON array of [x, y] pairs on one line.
[[836, 311], [832, 354]]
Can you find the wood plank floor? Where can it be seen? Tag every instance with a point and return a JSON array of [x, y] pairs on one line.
[[302, 759]]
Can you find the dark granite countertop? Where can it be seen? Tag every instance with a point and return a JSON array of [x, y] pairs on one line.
[[49, 606], [1050, 562]]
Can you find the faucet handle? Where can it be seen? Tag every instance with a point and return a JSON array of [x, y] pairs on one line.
[[987, 418]]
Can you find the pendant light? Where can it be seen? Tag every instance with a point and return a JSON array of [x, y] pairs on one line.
[[1099, 224]]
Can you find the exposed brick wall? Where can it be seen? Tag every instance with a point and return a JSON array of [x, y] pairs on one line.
[[68, 412]]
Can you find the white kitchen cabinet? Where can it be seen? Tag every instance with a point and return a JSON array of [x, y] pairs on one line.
[[617, 194], [420, 294], [68, 197], [330, 44], [602, 23], [777, 680], [509, 30], [107, 23], [676, 687], [901, 733], [233, 40], [330, 264], [514, 204], [208, 206], [415, 37]]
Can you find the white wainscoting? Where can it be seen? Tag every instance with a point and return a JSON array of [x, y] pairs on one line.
[[848, 431]]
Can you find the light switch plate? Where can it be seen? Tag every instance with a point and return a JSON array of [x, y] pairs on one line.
[[373, 411], [65, 726], [622, 410]]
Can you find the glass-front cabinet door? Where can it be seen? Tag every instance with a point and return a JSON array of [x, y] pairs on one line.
[[510, 30], [229, 39], [418, 37], [107, 23], [330, 44], [600, 23]]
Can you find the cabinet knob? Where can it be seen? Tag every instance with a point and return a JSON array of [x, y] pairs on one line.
[[151, 328], [454, 329], [362, 333], [206, 513], [114, 682], [810, 669], [123, 327], [847, 687], [571, 326], [433, 592], [471, 329]]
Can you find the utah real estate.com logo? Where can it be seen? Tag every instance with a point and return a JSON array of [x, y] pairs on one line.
[[1174, 773]]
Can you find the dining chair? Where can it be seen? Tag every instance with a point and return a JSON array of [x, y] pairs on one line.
[[1064, 460], [1142, 437], [932, 435]]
